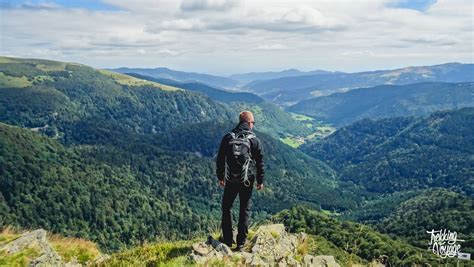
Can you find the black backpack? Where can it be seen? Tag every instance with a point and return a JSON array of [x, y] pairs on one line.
[[239, 158]]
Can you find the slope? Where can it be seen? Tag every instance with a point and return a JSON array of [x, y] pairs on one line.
[[214, 93], [290, 90], [405, 153], [387, 101]]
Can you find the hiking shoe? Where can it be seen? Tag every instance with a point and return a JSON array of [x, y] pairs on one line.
[[221, 239], [239, 248]]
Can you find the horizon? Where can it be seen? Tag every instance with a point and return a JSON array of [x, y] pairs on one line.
[[240, 73], [224, 37]]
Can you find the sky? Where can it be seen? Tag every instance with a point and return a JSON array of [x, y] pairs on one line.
[[235, 36]]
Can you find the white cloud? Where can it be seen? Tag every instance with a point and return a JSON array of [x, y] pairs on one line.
[[271, 47], [198, 5], [246, 35]]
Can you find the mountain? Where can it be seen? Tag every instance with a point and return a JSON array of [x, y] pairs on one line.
[[214, 93], [289, 90], [355, 240], [403, 153], [245, 78], [116, 159], [432, 209], [274, 121], [387, 101], [63, 96], [181, 76]]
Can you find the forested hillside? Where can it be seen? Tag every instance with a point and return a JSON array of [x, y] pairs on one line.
[[432, 209], [399, 154], [182, 76], [387, 101], [214, 93], [357, 240], [130, 157]]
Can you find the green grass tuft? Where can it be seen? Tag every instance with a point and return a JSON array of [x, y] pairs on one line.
[[165, 253], [7, 81], [132, 81]]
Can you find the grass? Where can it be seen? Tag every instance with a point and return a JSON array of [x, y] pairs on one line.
[[302, 249], [6, 60], [292, 141], [51, 66], [301, 117], [22, 258], [13, 82], [318, 245], [68, 248], [321, 132], [132, 81], [7, 235], [161, 254], [275, 234]]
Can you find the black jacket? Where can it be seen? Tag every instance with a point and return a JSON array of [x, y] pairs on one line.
[[256, 150]]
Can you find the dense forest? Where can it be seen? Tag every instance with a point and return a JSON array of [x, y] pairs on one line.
[[358, 239], [121, 161], [405, 153], [112, 141]]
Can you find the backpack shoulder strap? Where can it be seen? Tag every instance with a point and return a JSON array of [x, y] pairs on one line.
[[248, 134]]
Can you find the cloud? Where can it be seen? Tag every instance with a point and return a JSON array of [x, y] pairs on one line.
[[271, 47], [199, 5], [245, 35]]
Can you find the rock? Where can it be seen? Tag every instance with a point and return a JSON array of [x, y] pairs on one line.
[[48, 257], [201, 248], [270, 246], [320, 261], [219, 246]]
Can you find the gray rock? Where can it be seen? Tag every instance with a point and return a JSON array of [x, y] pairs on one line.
[[201, 248], [320, 261], [270, 246], [48, 256]]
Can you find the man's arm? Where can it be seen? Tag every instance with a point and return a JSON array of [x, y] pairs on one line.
[[220, 160], [257, 154]]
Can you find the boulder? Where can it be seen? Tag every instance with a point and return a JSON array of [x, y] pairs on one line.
[[270, 246]]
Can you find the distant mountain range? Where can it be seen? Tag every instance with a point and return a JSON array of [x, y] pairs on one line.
[[387, 101], [290, 86], [261, 76], [181, 76], [214, 93], [289, 90], [116, 159]]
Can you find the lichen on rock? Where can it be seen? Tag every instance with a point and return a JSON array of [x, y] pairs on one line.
[[271, 245]]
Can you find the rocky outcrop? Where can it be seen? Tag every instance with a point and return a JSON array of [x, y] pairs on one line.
[[270, 246], [37, 238]]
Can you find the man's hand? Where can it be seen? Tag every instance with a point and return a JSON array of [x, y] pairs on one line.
[[259, 186], [222, 183]]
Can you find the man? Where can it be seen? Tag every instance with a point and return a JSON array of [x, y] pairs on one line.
[[239, 149]]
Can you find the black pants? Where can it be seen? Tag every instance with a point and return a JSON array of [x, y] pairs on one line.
[[231, 191]]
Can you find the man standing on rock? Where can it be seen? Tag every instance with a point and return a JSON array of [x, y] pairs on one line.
[[240, 152]]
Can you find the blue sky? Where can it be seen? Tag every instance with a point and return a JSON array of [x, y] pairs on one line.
[[86, 4], [420, 5], [231, 36]]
